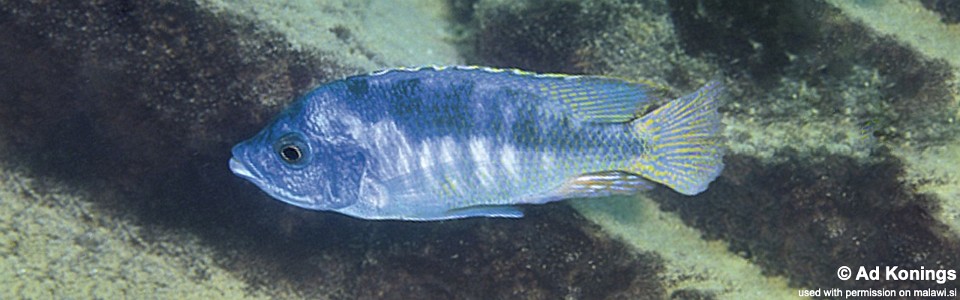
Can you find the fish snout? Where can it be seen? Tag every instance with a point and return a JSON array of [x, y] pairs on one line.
[[239, 169], [237, 165]]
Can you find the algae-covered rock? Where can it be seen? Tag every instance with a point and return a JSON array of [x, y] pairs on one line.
[[56, 245], [816, 101], [136, 104], [803, 220], [838, 127], [950, 10]]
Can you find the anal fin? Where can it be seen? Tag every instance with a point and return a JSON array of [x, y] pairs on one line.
[[600, 184]]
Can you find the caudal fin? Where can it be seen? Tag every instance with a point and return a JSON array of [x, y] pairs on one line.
[[684, 149]]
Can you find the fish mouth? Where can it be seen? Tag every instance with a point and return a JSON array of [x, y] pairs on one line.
[[240, 169], [245, 172]]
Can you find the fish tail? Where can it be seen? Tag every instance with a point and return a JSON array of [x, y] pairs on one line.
[[683, 147]]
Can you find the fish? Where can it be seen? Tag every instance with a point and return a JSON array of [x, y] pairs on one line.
[[440, 143]]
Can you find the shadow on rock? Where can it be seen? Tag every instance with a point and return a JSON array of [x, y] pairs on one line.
[[805, 218], [144, 101]]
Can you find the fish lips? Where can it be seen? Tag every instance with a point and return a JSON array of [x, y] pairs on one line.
[[252, 174], [245, 172], [240, 169]]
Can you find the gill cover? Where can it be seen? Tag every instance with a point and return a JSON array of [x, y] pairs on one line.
[[346, 166]]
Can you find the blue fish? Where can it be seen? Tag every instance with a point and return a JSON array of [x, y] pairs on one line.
[[441, 143]]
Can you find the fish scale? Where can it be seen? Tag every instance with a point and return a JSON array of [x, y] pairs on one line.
[[441, 143]]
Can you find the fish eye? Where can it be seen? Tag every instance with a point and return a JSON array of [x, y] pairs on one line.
[[290, 153], [292, 149]]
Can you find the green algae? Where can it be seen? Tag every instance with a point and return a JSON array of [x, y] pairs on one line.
[[370, 35], [931, 168], [55, 245], [909, 22], [214, 76], [807, 85], [936, 170], [796, 113], [692, 263]]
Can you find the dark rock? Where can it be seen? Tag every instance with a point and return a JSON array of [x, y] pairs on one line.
[[750, 37], [539, 36], [803, 219], [550, 254], [688, 294], [162, 81], [950, 10], [142, 101], [766, 44]]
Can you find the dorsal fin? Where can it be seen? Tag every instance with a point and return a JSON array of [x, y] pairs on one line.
[[591, 99], [600, 99]]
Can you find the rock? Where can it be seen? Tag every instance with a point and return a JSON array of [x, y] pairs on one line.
[[138, 104]]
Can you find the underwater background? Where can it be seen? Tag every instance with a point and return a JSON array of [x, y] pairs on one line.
[[117, 117]]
